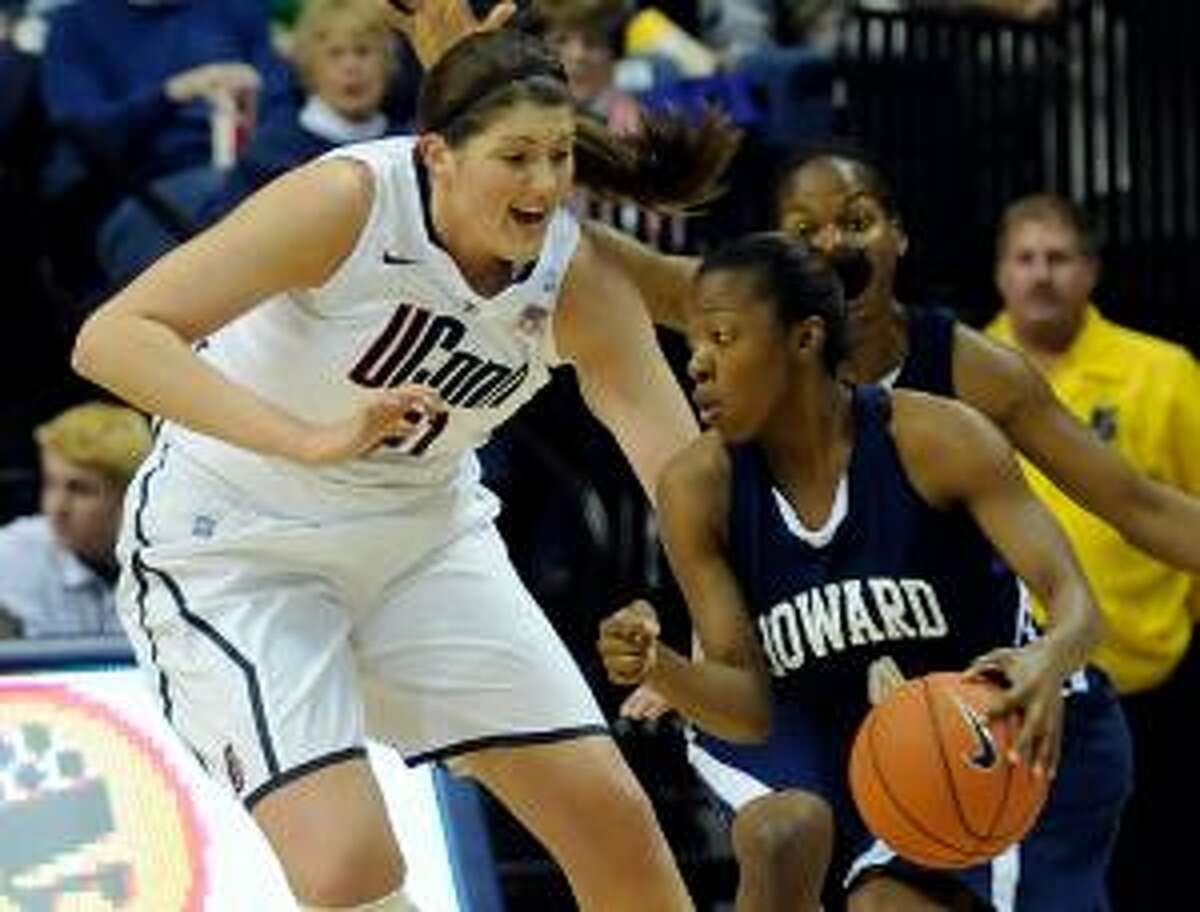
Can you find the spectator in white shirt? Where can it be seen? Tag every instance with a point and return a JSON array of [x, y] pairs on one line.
[[57, 569]]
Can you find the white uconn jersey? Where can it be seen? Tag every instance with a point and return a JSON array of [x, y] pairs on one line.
[[397, 310]]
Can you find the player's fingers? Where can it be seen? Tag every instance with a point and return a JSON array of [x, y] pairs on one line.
[[498, 16], [624, 626], [991, 665], [1054, 747], [414, 396], [644, 703], [1009, 701], [1032, 731], [1045, 749], [625, 669]]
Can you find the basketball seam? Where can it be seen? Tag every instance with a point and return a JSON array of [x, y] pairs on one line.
[[904, 812], [1027, 820], [1002, 804], [949, 770]]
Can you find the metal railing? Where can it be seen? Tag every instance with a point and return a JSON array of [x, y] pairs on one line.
[[1101, 105]]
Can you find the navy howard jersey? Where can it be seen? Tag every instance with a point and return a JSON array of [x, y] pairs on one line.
[[890, 575]]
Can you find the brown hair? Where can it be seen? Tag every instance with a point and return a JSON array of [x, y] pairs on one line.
[[670, 163], [1047, 207]]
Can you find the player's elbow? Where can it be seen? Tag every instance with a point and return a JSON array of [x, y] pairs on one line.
[[90, 343]]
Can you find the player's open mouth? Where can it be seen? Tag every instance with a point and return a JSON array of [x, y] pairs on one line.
[[529, 218]]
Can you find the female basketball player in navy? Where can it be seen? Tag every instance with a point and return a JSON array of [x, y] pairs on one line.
[[819, 531], [309, 555], [843, 207]]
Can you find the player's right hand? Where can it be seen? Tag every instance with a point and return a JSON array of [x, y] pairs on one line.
[[628, 643], [382, 416], [432, 26]]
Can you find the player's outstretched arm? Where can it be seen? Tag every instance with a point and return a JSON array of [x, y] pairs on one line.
[[664, 281], [727, 691], [139, 344], [999, 381], [432, 26], [953, 454], [602, 327]]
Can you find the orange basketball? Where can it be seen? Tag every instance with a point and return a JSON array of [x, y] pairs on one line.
[[931, 775]]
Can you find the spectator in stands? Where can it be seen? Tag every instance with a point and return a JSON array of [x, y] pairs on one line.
[[1141, 396], [140, 77], [587, 36], [57, 569], [345, 55], [735, 28]]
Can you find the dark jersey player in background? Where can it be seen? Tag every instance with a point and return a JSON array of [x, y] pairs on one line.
[[820, 531]]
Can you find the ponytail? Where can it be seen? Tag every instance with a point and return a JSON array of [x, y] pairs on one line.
[[669, 164]]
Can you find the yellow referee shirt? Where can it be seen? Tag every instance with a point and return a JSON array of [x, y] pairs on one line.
[[1141, 395]]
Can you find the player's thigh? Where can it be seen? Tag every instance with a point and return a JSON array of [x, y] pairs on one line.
[[458, 657]]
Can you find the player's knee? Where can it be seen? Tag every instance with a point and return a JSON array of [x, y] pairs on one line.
[[885, 894], [350, 877], [777, 830]]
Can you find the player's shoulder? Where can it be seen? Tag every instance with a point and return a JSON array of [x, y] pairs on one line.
[[698, 473], [939, 436]]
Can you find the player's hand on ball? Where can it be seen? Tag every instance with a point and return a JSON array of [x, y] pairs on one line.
[[883, 677], [1033, 699], [628, 643], [386, 417]]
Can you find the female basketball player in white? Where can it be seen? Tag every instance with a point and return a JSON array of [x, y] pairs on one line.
[[309, 556]]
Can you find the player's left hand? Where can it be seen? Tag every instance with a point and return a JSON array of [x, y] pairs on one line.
[[1034, 699]]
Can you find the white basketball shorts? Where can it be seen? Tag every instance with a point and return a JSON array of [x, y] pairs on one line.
[[276, 644]]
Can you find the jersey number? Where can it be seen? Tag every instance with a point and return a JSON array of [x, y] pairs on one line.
[[417, 443]]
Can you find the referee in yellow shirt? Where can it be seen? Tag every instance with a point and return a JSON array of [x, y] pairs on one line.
[[1142, 396]]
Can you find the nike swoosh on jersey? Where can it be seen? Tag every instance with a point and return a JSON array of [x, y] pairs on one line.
[[393, 259]]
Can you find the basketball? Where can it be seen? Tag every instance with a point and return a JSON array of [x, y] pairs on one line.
[[931, 776]]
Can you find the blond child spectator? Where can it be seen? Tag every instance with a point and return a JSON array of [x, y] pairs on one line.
[[344, 54], [57, 568]]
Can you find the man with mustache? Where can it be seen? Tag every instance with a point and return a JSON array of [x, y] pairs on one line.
[[1141, 396]]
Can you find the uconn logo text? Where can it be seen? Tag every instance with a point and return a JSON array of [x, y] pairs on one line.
[[418, 347]]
